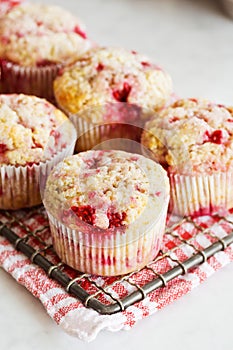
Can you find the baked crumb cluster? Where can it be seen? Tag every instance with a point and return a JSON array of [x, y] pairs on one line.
[[192, 136], [37, 35], [29, 130], [105, 75], [104, 188]]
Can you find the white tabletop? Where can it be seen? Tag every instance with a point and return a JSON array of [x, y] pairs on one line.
[[193, 40]]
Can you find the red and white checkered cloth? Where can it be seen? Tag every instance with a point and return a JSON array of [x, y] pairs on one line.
[[85, 323]]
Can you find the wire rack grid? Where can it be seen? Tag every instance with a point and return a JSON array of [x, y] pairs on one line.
[[28, 231]]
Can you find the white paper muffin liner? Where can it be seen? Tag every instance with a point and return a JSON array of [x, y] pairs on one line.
[[107, 254], [121, 136], [201, 194], [20, 185], [36, 81]]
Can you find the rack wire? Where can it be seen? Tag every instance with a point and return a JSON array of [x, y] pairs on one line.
[[28, 231]]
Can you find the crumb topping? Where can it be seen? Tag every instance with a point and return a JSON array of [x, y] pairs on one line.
[[105, 189], [192, 135], [29, 129], [111, 75], [38, 35]]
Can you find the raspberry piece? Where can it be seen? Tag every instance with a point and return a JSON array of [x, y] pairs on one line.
[[100, 67], [122, 95], [4, 40], [193, 100], [145, 64], [56, 134], [215, 137], [85, 212], [173, 119], [80, 32], [116, 219], [3, 148]]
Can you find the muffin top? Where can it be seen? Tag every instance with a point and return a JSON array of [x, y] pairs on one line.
[[106, 189], [111, 75], [30, 130], [192, 136], [38, 35], [7, 5]]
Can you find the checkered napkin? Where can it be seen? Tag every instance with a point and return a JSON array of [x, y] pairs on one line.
[[6, 5], [85, 323]]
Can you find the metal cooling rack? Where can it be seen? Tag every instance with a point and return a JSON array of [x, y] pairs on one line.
[[98, 293]]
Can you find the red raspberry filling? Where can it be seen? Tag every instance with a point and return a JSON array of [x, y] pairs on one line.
[[173, 119], [122, 95], [4, 40], [80, 32], [116, 219], [100, 67], [145, 64], [86, 213], [215, 137], [45, 63], [158, 193], [3, 148], [56, 134]]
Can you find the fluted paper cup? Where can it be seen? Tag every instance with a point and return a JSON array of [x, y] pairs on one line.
[[201, 194], [36, 81], [119, 122], [107, 252]]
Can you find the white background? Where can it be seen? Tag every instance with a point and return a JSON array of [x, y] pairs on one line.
[[193, 41]]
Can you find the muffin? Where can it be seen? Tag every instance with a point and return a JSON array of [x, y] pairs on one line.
[[193, 140], [107, 210], [111, 86], [34, 136], [36, 41]]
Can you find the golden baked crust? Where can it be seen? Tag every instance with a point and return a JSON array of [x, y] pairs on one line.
[[111, 75], [192, 136]]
